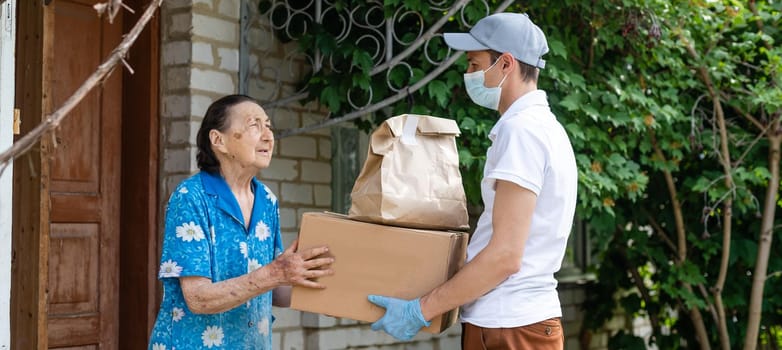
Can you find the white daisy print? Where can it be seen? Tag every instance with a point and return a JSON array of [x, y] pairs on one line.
[[170, 269], [212, 232], [263, 327], [190, 231], [269, 195], [212, 336], [262, 231], [253, 265], [177, 314], [183, 190], [158, 346], [243, 249]]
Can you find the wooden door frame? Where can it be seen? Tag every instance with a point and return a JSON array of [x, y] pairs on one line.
[[30, 217], [139, 203], [139, 189]]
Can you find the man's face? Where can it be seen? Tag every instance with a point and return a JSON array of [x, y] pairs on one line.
[[481, 61]]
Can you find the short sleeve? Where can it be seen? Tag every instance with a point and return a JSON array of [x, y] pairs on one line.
[[278, 246], [186, 241], [518, 155]]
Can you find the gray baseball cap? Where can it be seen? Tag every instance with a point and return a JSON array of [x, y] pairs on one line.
[[504, 32]]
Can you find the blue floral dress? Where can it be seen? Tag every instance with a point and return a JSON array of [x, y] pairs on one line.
[[205, 236]]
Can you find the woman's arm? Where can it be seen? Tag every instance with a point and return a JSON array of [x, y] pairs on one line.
[[290, 268]]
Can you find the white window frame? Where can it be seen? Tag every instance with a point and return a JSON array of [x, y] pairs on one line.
[[7, 86]]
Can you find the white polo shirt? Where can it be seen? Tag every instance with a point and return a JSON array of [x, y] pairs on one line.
[[531, 149]]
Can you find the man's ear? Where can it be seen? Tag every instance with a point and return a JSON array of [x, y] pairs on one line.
[[507, 61], [216, 139]]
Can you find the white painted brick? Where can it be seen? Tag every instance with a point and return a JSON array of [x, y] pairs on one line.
[[296, 193], [171, 182], [288, 238], [315, 107], [453, 330], [215, 28], [177, 52], [181, 23], [203, 4], [311, 119], [261, 38], [449, 342], [272, 68], [299, 146], [348, 322], [301, 211], [274, 186], [177, 78], [288, 89], [176, 4], [293, 340], [230, 8], [323, 195], [199, 104], [286, 318], [209, 80], [364, 336], [277, 340], [263, 90], [324, 148], [282, 169], [288, 218], [312, 320], [327, 339], [179, 160], [319, 172], [202, 53], [176, 106], [229, 59], [183, 132], [283, 118], [424, 345]]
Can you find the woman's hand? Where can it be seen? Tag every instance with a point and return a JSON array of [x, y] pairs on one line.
[[299, 268]]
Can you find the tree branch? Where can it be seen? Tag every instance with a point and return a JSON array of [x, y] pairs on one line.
[[681, 234], [727, 206], [53, 120]]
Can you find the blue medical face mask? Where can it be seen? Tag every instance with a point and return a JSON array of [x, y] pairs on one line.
[[479, 93]]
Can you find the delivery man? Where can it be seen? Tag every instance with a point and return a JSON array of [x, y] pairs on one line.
[[507, 290]]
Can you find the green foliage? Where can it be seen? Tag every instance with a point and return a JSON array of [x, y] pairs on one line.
[[621, 80]]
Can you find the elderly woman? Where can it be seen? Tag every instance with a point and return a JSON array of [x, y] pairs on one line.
[[222, 264]]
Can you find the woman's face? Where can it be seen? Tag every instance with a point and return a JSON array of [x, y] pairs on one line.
[[249, 140]]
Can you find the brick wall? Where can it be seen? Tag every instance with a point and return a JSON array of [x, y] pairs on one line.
[[200, 63]]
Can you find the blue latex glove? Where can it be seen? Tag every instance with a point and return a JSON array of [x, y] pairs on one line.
[[403, 318]]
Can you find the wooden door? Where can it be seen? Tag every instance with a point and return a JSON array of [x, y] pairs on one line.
[[83, 273]]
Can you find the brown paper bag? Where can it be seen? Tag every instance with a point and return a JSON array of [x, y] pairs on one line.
[[411, 176]]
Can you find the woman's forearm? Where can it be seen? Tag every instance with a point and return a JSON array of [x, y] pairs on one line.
[[205, 297]]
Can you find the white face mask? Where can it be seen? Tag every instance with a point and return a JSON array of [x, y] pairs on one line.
[[479, 93]]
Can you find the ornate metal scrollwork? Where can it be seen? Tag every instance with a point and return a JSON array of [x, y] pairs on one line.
[[368, 24]]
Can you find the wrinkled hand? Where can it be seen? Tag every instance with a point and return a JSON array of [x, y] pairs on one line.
[[300, 267], [403, 318]]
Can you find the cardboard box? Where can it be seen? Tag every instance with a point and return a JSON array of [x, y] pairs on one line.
[[377, 259]]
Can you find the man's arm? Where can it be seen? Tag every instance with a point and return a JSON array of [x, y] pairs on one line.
[[511, 219]]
